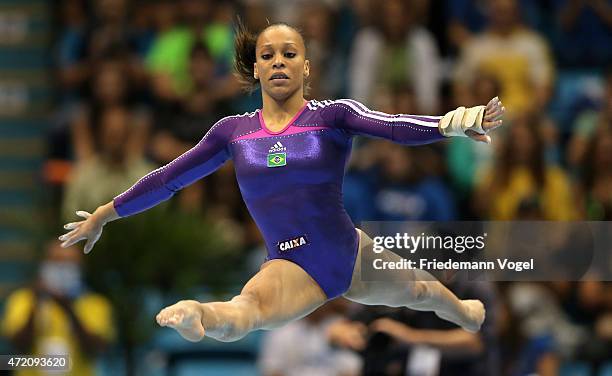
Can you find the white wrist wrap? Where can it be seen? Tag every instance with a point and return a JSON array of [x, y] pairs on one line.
[[456, 122]]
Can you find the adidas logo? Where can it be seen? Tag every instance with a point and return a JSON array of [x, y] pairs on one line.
[[277, 147], [314, 104]]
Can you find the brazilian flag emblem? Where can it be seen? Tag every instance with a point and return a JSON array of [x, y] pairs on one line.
[[277, 159]]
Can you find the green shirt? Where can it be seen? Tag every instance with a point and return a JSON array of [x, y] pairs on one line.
[[170, 52]]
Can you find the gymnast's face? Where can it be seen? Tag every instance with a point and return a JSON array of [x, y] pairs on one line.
[[281, 64]]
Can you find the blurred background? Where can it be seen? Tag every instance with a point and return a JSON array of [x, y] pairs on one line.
[[94, 94]]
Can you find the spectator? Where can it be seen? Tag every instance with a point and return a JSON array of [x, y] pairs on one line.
[[327, 65], [282, 356], [110, 29], [168, 58], [522, 173], [164, 16], [57, 315], [525, 353], [591, 307], [360, 179], [72, 70], [110, 89], [511, 53], [588, 122], [583, 31], [351, 17], [181, 123], [405, 191], [111, 36], [255, 15], [595, 189], [142, 28], [395, 51], [110, 170], [468, 18], [406, 342], [285, 10]]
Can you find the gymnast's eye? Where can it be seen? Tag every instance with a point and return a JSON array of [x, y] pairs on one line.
[[290, 54], [266, 56]]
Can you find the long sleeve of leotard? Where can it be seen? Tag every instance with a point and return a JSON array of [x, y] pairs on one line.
[[357, 119], [161, 184]]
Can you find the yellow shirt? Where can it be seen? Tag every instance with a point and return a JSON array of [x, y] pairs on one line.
[[520, 62], [556, 204], [53, 332]]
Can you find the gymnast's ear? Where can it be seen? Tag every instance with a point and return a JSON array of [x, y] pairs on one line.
[[306, 68], [255, 73]]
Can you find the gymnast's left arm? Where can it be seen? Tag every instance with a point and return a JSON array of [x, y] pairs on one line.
[[474, 122]]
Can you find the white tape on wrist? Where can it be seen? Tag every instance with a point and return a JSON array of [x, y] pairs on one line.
[[456, 122]]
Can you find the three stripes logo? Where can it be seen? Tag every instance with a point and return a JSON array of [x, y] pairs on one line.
[[277, 155]]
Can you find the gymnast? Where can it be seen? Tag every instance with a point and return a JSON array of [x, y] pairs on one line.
[[290, 158]]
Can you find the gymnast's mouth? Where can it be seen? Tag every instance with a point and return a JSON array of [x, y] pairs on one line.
[[279, 76]]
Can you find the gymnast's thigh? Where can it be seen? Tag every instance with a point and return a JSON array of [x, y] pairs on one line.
[[283, 292], [396, 287]]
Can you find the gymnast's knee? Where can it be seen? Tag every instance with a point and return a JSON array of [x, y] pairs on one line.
[[419, 292], [410, 294]]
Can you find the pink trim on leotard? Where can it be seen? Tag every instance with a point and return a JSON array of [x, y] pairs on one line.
[[263, 134], [263, 123]]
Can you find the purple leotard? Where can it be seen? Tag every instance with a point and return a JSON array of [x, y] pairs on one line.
[[291, 180]]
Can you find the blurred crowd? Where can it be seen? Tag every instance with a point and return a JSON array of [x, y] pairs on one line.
[[139, 82]]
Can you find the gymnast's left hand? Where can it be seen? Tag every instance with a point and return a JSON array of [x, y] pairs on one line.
[[492, 119], [90, 229]]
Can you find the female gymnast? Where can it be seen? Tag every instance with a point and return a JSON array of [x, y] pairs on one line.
[[290, 158]]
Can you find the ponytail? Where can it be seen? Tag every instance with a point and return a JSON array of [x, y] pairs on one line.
[[244, 60]]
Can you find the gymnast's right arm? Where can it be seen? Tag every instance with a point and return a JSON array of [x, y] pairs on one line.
[[157, 186]]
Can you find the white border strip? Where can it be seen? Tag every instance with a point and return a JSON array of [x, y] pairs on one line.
[[389, 117]]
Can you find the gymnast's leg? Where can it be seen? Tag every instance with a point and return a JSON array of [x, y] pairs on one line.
[[280, 292], [415, 289]]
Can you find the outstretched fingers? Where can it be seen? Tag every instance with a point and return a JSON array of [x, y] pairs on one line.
[[67, 235], [71, 237], [83, 213], [79, 232], [73, 225], [72, 240], [478, 136], [493, 114], [90, 243]]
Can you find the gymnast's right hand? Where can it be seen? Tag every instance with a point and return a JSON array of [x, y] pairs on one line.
[[90, 229]]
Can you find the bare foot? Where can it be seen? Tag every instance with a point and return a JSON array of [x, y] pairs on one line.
[[184, 316], [474, 315], [475, 312]]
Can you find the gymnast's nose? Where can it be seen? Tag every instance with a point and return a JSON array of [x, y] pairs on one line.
[[278, 62]]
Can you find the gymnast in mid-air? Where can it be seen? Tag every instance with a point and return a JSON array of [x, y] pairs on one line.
[[290, 158]]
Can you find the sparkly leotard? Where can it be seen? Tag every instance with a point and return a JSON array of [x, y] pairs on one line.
[[291, 180]]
